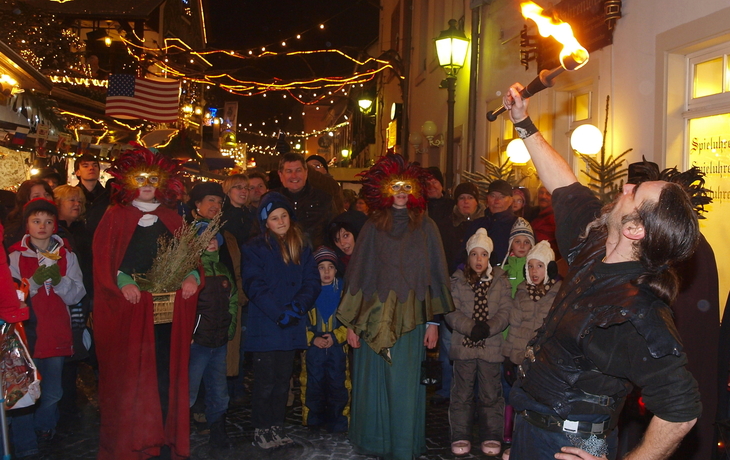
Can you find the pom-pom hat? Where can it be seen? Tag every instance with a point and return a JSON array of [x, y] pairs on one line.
[[542, 252], [480, 240], [520, 228]]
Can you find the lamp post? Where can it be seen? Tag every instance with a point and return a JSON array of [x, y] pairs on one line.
[[451, 47]]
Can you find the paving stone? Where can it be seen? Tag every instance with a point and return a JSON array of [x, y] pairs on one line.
[[78, 437]]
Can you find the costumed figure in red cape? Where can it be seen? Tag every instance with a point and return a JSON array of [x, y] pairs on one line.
[[142, 414]]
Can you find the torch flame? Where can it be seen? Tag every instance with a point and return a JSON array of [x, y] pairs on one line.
[[573, 55]]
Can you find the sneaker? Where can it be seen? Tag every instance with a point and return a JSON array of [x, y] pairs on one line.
[[279, 436], [264, 439], [45, 437]]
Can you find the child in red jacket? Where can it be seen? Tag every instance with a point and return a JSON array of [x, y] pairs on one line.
[[55, 279]]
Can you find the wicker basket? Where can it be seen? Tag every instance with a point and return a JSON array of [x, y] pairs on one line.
[[163, 305]]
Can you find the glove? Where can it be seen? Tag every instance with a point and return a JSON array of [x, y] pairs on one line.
[[510, 371], [288, 318], [297, 307], [479, 331], [54, 273], [40, 275]]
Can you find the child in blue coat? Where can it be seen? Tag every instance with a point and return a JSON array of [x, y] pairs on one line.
[[281, 281], [325, 388]]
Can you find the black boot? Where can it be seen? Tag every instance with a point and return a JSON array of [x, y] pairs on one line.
[[218, 436]]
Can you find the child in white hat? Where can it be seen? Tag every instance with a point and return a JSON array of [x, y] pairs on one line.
[[483, 300]]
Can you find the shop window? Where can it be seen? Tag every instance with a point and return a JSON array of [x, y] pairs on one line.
[[581, 106], [708, 78]]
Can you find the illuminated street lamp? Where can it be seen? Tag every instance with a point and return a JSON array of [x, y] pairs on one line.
[[451, 48]]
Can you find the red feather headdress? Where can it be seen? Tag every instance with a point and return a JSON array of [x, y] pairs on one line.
[[140, 160], [388, 168]]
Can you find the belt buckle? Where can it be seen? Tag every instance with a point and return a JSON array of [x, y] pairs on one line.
[[570, 426]]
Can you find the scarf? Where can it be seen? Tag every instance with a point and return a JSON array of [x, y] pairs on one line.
[[537, 292], [481, 309], [147, 220]]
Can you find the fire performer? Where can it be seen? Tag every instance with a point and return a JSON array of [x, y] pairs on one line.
[[610, 326], [143, 367]]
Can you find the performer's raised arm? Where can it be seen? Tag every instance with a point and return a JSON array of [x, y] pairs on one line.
[[553, 170]]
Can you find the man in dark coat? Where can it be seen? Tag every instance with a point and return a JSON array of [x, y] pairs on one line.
[[313, 207]]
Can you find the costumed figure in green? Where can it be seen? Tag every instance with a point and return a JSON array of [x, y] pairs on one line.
[[396, 290]]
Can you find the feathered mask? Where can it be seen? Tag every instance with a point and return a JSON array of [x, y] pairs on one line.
[[391, 175], [139, 167]]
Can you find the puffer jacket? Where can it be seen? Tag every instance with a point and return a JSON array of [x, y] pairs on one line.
[[499, 300], [524, 320]]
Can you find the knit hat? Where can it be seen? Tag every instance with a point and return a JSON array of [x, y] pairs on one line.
[[542, 252], [325, 254], [466, 188], [271, 201], [320, 159], [480, 240], [520, 228], [501, 186], [40, 205], [203, 189]]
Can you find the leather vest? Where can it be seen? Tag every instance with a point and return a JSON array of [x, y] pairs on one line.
[[556, 365]]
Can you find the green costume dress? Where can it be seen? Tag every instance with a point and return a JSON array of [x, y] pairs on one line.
[[397, 280]]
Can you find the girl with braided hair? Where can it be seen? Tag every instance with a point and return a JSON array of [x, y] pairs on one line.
[[396, 289]]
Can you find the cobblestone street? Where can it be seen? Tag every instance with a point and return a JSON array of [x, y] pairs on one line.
[[77, 437]]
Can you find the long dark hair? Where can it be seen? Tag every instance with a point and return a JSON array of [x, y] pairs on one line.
[[22, 197], [671, 235]]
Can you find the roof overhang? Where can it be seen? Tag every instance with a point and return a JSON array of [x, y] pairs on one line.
[[26, 75]]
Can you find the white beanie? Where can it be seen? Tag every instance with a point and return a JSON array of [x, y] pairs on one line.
[[542, 252], [520, 228], [480, 240]]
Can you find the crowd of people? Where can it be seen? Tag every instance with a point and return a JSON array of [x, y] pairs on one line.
[[364, 283]]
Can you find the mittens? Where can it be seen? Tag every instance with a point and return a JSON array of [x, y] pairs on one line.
[[40, 275], [54, 273], [479, 331]]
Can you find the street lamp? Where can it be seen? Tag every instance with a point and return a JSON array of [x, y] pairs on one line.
[[451, 47], [365, 102]]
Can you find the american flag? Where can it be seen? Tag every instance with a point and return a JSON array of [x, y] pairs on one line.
[[153, 100]]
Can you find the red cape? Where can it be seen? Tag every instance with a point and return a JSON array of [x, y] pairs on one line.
[[131, 416]]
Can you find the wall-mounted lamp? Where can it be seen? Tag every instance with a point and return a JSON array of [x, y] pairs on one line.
[[517, 152], [345, 153], [429, 131], [586, 139], [365, 102]]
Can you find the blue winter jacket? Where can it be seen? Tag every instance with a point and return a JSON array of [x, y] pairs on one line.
[[271, 285]]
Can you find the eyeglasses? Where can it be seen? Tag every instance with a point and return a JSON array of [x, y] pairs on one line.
[[400, 185]]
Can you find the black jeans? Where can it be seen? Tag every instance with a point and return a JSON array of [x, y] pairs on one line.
[[272, 371]]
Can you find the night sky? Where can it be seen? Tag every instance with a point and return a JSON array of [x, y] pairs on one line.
[[350, 26]]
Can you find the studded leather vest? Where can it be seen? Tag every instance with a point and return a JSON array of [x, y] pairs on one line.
[[594, 295]]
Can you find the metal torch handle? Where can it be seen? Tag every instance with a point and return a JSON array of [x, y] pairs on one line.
[[539, 83]]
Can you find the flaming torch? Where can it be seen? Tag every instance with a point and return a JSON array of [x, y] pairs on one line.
[[573, 56]]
